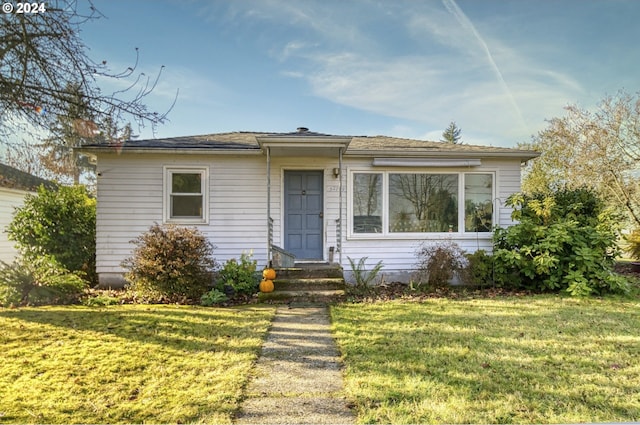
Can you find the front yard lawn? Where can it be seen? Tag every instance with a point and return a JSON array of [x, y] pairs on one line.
[[533, 359], [538, 359], [126, 364]]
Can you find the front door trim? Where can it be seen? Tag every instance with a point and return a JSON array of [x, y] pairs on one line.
[[284, 229]]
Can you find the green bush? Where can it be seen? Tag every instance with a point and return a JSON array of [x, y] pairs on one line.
[[439, 262], [479, 272], [60, 224], [101, 301], [565, 241], [213, 297], [170, 263], [239, 277], [38, 282]]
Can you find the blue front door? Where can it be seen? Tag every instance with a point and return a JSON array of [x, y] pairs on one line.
[[303, 214]]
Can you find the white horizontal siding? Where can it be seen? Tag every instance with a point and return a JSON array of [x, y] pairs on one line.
[[10, 199], [509, 179], [130, 200], [398, 253]]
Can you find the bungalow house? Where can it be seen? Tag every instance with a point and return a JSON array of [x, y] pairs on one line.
[[14, 186], [316, 197]]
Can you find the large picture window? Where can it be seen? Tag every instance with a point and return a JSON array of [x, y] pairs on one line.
[[423, 203], [186, 195], [400, 202]]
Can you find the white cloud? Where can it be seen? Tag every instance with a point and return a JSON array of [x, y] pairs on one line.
[[445, 66], [499, 92]]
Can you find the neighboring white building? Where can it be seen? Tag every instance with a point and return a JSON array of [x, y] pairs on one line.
[[14, 186], [318, 196]]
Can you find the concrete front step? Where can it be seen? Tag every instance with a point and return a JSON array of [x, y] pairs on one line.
[[310, 271], [315, 296], [320, 282], [312, 284]]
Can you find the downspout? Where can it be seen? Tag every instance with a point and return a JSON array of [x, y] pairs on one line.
[[269, 223], [340, 207]]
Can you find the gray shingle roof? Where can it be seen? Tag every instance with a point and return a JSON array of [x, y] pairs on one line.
[[376, 144], [359, 144], [12, 178]]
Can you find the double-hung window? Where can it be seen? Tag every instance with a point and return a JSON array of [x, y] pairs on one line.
[[186, 195], [367, 203], [396, 203], [478, 202]]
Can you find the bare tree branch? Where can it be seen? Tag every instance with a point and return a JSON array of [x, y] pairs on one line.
[[42, 55], [597, 148]]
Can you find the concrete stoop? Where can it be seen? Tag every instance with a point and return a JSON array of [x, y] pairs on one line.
[[297, 378], [307, 283]]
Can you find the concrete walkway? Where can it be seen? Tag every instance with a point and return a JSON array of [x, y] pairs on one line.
[[297, 379]]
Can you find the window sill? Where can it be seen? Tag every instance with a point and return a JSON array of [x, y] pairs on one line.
[[420, 236], [186, 221]]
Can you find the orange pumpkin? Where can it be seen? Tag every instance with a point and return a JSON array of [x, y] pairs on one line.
[[266, 285], [269, 273]]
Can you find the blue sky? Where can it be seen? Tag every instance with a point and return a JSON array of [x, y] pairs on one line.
[[403, 68]]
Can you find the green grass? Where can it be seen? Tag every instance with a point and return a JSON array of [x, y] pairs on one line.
[[540, 359], [126, 364]]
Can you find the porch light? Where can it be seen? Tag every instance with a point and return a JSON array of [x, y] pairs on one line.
[[336, 172]]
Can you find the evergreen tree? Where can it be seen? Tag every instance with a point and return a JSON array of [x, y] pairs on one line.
[[69, 132], [452, 134], [77, 127]]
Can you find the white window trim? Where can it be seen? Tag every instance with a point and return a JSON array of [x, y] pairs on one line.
[[386, 235], [168, 170]]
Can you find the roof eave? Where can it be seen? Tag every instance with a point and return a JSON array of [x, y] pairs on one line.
[[189, 151]]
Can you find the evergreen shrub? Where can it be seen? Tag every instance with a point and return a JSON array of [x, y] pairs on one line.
[[564, 241], [60, 224], [239, 277], [479, 271]]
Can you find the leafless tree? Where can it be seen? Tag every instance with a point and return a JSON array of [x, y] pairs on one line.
[[598, 148], [42, 55]]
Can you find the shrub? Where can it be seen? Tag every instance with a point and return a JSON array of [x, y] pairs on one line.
[[38, 282], [439, 262], [213, 297], [60, 224], [239, 277], [566, 241], [101, 301], [170, 263], [362, 277], [632, 244], [479, 271]]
